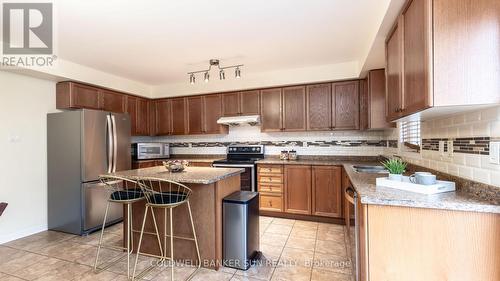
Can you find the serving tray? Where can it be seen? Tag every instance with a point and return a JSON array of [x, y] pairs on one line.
[[405, 184]]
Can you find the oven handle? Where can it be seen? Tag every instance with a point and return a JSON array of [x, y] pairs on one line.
[[233, 165]]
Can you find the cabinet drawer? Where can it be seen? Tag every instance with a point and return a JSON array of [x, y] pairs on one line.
[[270, 169], [274, 188], [271, 202], [270, 178]]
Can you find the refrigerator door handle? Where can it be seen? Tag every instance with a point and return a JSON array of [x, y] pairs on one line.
[[115, 143], [109, 142]]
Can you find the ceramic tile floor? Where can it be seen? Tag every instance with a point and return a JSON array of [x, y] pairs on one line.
[[292, 249]]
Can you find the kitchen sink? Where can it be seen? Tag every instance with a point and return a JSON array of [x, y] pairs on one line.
[[370, 169]]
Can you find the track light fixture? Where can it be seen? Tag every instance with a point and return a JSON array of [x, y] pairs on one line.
[[222, 74]]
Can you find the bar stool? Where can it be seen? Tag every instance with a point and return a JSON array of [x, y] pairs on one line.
[[123, 191], [167, 195]]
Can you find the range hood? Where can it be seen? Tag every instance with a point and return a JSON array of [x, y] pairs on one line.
[[251, 120]]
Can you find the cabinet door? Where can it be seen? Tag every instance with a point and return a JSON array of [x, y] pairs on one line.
[[250, 102], [416, 52], [319, 107], [327, 191], [212, 111], [363, 105], [231, 104], [345, 105], [298, 189], [142, 127], [376, 100], [394, 92], [195, 115], [82, 96], [163, 117], [294, 108], [112, 101], [270, 110], [178, 115], [132, 111]]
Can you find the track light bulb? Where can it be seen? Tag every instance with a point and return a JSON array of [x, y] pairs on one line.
[[222, 75], [192, 78], [237, 73], [207, 77]]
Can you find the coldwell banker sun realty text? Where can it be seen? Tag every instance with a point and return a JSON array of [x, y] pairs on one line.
[[27, 35]]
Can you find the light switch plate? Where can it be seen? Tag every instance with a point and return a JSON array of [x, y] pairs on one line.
[[495, 152], [449, 151]]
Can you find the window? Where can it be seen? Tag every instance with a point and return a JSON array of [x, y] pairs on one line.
[[410, 135]]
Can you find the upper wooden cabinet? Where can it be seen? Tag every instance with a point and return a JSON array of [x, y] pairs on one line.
[[319, 107], [195, 115], [178, 115], [298, 189], [327, 192], [163, 117], [112, 101], [139, 110], [71, 95], [345, 105], [271, 110], [294, 109], [433, 58], [212, 111], [372, 101], [241, 103]]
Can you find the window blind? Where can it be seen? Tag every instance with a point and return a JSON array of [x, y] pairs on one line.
[[410, 134]]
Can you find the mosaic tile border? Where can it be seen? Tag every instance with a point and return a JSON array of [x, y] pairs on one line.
[[333, 143], [476, 145]]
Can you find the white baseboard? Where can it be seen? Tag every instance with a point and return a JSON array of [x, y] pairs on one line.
[[7, 237]]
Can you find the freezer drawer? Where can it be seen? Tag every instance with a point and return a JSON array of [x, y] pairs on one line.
[[95, 198]]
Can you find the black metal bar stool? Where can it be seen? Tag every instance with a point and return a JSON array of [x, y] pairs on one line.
[[123, 191], [167, 195]]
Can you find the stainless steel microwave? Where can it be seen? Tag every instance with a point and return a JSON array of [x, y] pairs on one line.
[[150, 150]]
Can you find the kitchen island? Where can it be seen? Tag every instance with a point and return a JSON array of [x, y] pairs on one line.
[[210, 186]]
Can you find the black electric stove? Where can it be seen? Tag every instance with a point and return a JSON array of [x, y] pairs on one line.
[[243, 156]]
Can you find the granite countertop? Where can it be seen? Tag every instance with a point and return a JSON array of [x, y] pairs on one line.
[[460, 200], [197, 175], [318, 160]]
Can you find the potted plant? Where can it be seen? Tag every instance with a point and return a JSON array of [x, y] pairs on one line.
[[396, 168]]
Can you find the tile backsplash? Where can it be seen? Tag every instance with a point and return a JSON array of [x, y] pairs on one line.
[[470, 132]]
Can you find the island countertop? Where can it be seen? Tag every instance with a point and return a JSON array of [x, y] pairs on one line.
[[198, 175]]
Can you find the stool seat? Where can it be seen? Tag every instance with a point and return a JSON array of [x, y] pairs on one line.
[[126, 195], [167, 198]]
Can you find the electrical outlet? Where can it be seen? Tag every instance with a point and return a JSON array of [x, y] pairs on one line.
[[449, 151], [441, 148], [495, 152]]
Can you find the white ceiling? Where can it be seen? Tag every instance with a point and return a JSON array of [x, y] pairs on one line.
[[157, 42]]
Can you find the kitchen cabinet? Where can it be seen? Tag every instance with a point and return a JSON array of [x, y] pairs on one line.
[[433, 60], [319, 107], [327, 191], [372, 101], [212, 111], [145, 164], [163, 117], [178, 115], [298, 189], [138, 109], [112, 101], [71, 95], [270, 187], [271, 110], [199, 164], [241, 103], [345, 105], [194, 115], [294, 108]]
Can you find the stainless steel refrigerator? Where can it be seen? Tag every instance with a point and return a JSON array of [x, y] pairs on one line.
[[81, 145]]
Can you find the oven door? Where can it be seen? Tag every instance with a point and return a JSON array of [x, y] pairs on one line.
[[248, 178]]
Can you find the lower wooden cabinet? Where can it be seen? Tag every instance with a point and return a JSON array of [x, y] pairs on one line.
[[301, 189], [327, 191], [298, 189]]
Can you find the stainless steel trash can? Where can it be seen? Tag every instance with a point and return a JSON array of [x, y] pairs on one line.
[[240, 229]]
